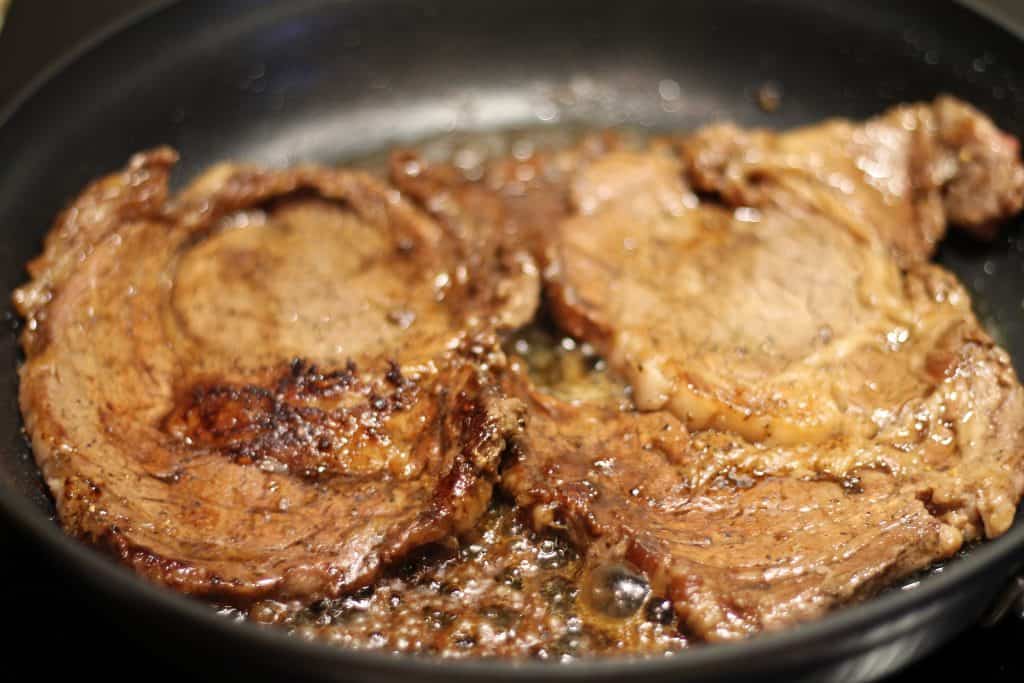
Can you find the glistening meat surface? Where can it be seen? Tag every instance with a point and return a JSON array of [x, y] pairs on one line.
[[271, 385], [268, 389], [789, 321], [735, 550], [851, 421], [735, 314]]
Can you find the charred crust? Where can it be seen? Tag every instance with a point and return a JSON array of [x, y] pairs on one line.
[[290, 421]]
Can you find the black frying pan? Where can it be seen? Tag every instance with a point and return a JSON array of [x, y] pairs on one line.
[[325, 80]]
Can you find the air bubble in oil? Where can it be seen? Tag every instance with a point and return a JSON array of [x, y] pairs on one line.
[[616, 590]]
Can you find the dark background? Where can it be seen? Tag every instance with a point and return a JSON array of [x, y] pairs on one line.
[[44, 605]]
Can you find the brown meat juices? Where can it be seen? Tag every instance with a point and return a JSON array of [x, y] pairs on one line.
[[280, 384]]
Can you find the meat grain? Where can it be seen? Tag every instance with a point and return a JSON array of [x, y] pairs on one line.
[[271, 385]]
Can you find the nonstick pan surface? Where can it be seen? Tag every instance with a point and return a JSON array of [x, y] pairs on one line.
[[329, 80]]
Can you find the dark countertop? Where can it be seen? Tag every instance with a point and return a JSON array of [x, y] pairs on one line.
[[45, 603]]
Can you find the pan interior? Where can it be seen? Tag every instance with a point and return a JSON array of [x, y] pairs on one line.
[[319, 80]]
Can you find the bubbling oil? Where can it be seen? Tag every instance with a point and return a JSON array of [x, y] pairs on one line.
[[501, 591]]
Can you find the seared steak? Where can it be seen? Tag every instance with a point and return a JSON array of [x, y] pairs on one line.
[[270, 386], [745, 555], [789, 322], [737, 550], [905, 174], [850, 419], [783, 328], [762, 317], [277, 383], [517, 201]]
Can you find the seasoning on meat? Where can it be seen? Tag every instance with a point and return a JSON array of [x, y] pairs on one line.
[[292, 391], [768, 299], [173, 424]]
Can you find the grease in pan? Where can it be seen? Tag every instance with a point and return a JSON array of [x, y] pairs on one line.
[[303, 377]]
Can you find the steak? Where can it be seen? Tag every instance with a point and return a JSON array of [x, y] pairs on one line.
[[789, 322], [822, 412], [516, 200], [269, 386], [276, 384], [906, 173], [737, 555], [785, 330], [747, 315]]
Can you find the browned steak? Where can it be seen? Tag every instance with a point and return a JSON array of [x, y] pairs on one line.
[[789, 323], [904, 175], [736, 555], [174, 421], [517, 201], [276, 383], [788, 333], [849, 419]]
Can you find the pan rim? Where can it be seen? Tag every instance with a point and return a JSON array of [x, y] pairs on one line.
[[93, 568]]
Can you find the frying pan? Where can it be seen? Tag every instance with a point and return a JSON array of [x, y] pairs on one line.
[[327, 80]]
